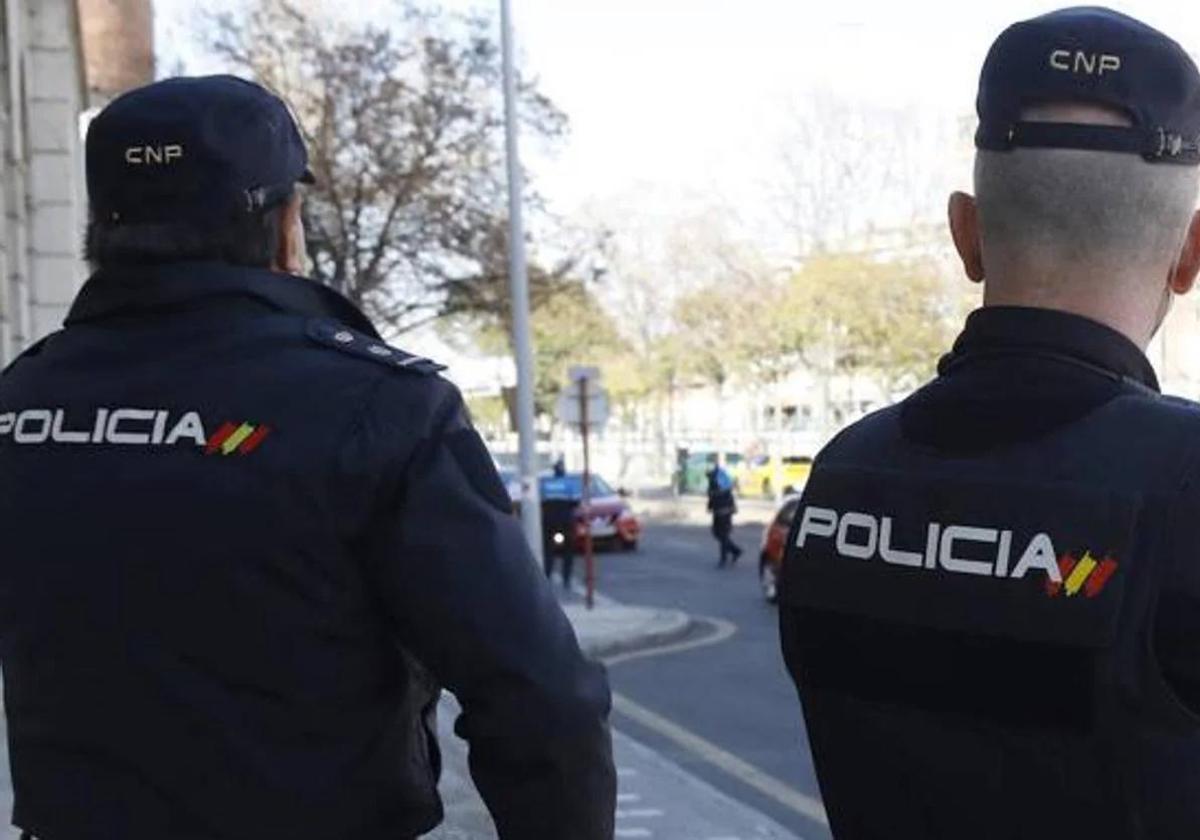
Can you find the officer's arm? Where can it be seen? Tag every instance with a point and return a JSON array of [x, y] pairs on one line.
[[461, 584]]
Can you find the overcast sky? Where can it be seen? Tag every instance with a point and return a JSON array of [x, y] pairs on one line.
[[678, 104], [690, 93]]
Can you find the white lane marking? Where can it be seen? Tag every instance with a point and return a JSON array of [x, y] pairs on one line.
[[724, 629], [742, 771], [639, 813], [634, 832], [628, 798]]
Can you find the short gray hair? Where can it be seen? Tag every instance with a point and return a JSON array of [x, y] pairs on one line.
[[1083, 208]]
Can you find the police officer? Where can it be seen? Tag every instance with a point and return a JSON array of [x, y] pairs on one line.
[[560, 511], [723, 506], [246, 541], [991, 600]]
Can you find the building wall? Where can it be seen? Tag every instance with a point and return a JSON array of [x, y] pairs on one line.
[[60, 60], [41, 97], [118, 46]]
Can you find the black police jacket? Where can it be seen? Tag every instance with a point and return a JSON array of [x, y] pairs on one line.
[[992, 597], [559, 517], [240, 533]]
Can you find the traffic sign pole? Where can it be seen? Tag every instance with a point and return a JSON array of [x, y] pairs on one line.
[[581, 405]]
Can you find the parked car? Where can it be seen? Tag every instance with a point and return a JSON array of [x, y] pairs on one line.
[[774, 543], [757, 475], [612, 519]]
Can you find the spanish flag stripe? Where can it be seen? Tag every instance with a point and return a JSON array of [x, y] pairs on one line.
[[1065, 564], [219, 437], [254, 440], [1096, 581], [1079, 574], [235, 440]]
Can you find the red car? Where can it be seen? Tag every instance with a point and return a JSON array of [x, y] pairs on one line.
[[774, 541], [613, 521]]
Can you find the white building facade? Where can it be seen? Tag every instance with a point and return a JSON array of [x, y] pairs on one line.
[[42, 196]]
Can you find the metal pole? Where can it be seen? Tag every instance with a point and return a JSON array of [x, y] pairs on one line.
[[16, 328], [589, 555], [531, 511]]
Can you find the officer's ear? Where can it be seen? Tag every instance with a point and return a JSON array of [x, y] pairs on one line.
[[964, 227], [291, 248], [1183, 276]]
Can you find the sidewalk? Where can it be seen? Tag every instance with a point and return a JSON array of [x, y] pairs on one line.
[[655, 798], [611, 628]]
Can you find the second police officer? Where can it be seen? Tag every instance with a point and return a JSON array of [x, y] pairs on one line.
[[991, 600], [246, 541]]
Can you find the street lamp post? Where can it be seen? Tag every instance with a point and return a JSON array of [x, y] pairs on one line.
[[531, 512]]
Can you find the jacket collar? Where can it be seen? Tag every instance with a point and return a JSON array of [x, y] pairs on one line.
[[140, 289], [1026, 331]]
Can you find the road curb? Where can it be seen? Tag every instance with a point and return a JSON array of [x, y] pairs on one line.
[[674, 626]]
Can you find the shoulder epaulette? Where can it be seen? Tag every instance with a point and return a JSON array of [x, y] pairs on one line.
[[354, 343]]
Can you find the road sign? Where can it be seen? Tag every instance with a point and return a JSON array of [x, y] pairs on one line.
[[570, 408], [579, 372]]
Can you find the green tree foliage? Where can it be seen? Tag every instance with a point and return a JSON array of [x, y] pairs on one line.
[[571, 328], [837, 314], [852, 314], [712, 323], [568, 326], [734, 329]]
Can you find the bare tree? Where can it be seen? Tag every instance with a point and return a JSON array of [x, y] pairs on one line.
[[857, 176], [404, 128]]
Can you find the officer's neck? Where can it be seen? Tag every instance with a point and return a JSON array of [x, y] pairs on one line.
[[1137, 316]]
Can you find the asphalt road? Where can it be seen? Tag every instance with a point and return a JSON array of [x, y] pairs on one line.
[[733, 695]]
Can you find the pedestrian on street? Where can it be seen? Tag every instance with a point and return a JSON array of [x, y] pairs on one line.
[[723, 506], [246, 541], [559, 517], [991, 597]]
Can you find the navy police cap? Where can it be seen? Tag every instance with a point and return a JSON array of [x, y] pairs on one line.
[[201, 149], [1096, 56]]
